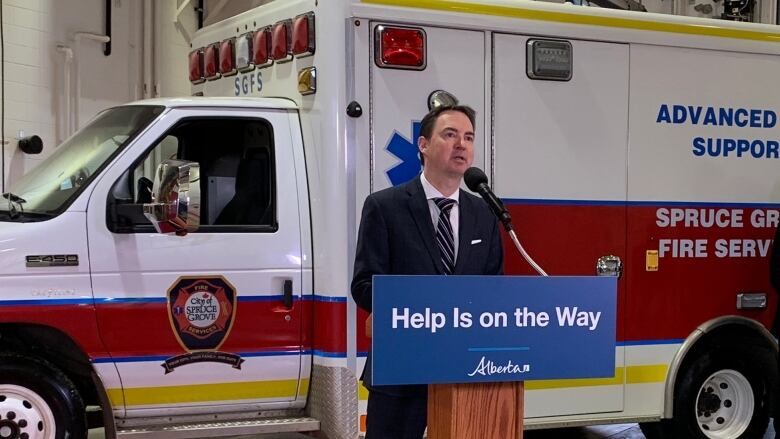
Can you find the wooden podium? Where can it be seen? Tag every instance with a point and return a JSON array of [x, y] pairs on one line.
[[473, 411]]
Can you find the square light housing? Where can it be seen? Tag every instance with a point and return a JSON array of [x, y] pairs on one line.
[[400, 47], [303, 35], [227, 57], [261, 47], [281, 41], [244, 52], [549, 59], [196, 66], [211, 61]]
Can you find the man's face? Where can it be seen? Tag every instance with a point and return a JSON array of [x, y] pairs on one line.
[[450, 150]]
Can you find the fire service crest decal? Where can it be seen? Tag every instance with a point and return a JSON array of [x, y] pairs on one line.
[[202, 311]]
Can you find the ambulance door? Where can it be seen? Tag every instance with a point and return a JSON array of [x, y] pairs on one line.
[[454, 62], [210, 321], [560, 166]]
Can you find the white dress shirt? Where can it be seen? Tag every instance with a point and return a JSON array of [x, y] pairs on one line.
[[431, 193]]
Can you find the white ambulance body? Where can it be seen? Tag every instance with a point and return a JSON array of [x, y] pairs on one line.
[[628, 144]]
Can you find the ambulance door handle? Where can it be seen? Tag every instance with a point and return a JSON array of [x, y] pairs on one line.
[[610, 265], [288, 294]]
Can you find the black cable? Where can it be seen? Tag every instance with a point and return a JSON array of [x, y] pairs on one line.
[[200, 10], [2, 102], [107, 46], [777, 13]]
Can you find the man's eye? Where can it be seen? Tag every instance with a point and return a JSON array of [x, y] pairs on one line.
[[469, 139]]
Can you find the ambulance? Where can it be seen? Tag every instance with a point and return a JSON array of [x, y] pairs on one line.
[[181, 267]]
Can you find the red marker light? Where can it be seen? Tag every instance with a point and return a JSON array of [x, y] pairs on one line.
[[227, 57], [211, 61], [196, 66], [261, 47], [399, 47], [281, 35], [303, 35]]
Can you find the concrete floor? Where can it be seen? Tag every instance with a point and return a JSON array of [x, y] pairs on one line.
[[617, 431]]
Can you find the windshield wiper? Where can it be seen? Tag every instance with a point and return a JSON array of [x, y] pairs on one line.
[[14, 200]]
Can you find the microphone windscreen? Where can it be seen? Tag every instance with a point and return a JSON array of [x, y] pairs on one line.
[[474, 177]]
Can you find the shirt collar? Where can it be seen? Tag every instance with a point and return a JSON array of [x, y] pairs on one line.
[[431, 192]]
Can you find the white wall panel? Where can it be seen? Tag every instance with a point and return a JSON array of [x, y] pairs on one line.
[[34, 69]]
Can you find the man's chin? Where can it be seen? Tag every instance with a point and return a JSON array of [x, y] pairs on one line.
[[460, 167], [457, 171]]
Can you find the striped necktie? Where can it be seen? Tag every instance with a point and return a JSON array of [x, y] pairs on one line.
[[444, 236]]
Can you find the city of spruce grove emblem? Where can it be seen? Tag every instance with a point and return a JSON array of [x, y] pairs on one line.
[[201, 311]]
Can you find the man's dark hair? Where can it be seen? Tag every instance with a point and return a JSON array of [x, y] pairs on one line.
[[427, 123]]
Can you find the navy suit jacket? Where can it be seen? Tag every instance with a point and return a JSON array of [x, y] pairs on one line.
[[397, 237]]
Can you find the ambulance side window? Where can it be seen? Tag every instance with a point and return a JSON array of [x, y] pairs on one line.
[[237, 174]]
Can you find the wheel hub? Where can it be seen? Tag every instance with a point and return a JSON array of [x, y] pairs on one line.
[[8, 429], [709, 401], [725, 404], [24, 414]]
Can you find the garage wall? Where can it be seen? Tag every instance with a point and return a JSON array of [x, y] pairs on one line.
[[34, 85]]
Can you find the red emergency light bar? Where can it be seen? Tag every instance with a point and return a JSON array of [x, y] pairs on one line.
[[211, 61], [196, 66], [227, 57], [303, 35], [281, 44], [261, 47], [400, 47]]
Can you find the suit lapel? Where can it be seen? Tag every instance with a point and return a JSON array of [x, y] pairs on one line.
[[418, 205], [466, 227]]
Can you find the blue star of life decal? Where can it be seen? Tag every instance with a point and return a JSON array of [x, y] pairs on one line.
[[407, 152]]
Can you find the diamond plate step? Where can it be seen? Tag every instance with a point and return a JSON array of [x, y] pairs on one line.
[[223, 429]]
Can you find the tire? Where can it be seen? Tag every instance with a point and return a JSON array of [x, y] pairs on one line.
[[657, 430], [722, 394], [37, 401]]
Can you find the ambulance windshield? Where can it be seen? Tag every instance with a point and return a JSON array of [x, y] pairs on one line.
[[50, 187]]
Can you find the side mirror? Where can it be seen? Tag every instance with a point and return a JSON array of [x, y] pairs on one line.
[[176, 195]]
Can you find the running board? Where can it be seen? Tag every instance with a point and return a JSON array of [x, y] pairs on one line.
[[222, 429]]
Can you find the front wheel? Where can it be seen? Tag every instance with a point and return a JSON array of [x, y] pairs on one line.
[[37, 401]]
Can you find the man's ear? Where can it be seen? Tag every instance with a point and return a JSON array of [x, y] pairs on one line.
[[422, 143]]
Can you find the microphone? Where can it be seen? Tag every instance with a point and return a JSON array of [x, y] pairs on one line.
[[477, 181]]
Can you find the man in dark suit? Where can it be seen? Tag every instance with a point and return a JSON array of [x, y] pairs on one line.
[[422, 227]]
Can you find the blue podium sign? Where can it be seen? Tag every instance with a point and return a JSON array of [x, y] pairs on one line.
[[463, 329]]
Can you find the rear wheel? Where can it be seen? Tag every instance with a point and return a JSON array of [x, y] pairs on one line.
[[725, 404], [37, 401], [722, 394]]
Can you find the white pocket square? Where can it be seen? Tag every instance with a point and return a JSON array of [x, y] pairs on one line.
[[475, 241]]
